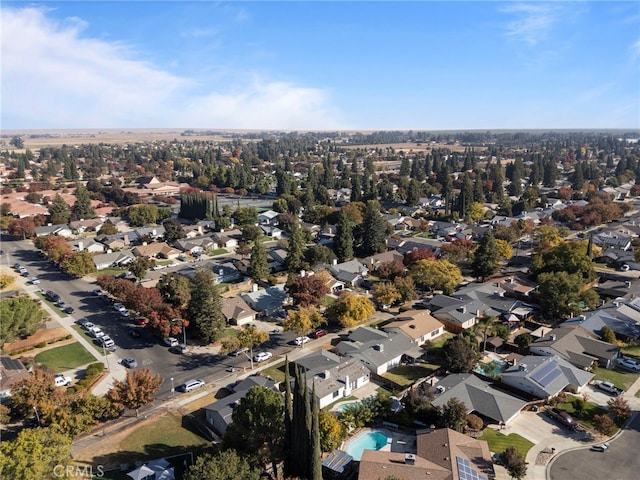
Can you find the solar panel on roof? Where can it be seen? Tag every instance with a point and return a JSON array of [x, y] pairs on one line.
[[466, 471], [547, 374], [550, 377], [542, 371]]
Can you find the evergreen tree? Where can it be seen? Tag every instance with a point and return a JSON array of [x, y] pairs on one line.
[[486, 259], [315, 450], [288, 418], [343, 241], [258, 266], [205, 306], [295, 250], [59, 211], [374, 231], [82, 208]]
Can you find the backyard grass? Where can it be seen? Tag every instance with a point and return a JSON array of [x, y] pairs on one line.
[[633, 351], [406, 375], [218, 251], [620, 379], [327, 300], [64, 358], [499, 442], [163, 436], [586, 416]]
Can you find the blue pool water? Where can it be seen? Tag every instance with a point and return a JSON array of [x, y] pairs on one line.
[[492, 368], [371, 440], [344, 406]]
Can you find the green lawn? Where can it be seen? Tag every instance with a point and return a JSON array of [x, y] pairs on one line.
[[275, 371], [619, 378], [65, 357], [499, 442], [586, 417], [406, 375], [229, 332], [109, 271], [218, 251], [632, 351], [327, 300], [163, 436]]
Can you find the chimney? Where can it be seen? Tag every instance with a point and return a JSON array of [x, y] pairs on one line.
[[552, 337], [81, 247], [409, 459], [334, 262], [627, 284], [327, 374], [254, 287]]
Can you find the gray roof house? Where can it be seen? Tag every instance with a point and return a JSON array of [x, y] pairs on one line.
[[621, 315], [545, 377], [578, 346], [86, 243], [268, 301], [332, 376], [351, 272], [118, 259], [479, 396], [60, 230], [219, 414], [11, 372], [193, 245], [379, 351]]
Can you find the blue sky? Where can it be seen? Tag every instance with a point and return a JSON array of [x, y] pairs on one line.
[[421, 65]]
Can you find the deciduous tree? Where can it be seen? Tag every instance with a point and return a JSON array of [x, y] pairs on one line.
[[308, 290], [436, 274], [604, 424], [22, 227], [486, 258], [175, 289], [79, 264], [459, 356], [514, 462], [140, 267], [386, 293], [332, 432], [21, 317], [172, 230], [138, 389], [619, 408], [351, 310], [36, 454], [35, 391], [453, 415], [302, 320], [222, 465], [248, 338]]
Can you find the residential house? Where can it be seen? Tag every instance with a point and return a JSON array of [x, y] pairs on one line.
[[237, 312], [622, 315], [270, 217], [113, 259], [378, 350], [81, 226], [271, 231], [419, 325], [194, 246], [545, 377], [156, 232], [11, 372], [60, 230], [578, 346], [616, 241], [219, 413], [332, 376], [156, 250], [87, 243], [479, 396], [516, 286], [352, 272], [404, 246], [117, 241], [385, 257], [387, 464], [225, 241], [267, 301], [192, 231], [618, 287]]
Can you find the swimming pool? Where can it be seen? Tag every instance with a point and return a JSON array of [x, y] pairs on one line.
[[345, 406], [491, 369], [369, 440]]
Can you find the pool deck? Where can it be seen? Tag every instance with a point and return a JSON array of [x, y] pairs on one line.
[[399, 442]]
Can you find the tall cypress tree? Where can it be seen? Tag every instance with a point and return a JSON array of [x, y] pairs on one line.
[[295, 250], [316, 452], [343, 242], [374, 236]]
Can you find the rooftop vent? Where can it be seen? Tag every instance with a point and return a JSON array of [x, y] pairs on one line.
[[553, 337], [522, 367], [409, 458]]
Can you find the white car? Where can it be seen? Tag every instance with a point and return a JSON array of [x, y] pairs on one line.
[[119, 307], [171, 342], [125, 313], [96, 332], [629, 363], [87, 325], [106, 341], [61, 381], [35, 281], [301, 340], [262, 356], [190, 386]]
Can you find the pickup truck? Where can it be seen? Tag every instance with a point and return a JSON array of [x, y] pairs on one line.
[[563, 418], [608, 387]]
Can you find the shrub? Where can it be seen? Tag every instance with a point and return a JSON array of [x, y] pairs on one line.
[[94, 369], [41, 345], [604, 424], [474, 422]]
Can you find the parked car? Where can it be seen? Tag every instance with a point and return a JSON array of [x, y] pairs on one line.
[[563, 417], [129, 362], [119, 307], [98, 292], [87, 325], [125, 313], [190, 386], [140, 321], [106, 341], [17, 266], [301, 340], [61, 381], [603, 447], [69, 310], [24, 273], [171, 342], [61, 305], [262, 356], [629, 363], [180, 349], [608, 387], [34, 281], [319, 333], [96, 332], [625, 268], [52, 296]]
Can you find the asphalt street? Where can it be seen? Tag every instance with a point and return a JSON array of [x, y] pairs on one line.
[[201, 363]]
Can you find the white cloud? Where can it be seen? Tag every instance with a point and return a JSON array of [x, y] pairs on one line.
[[54, 77], [532, 22]]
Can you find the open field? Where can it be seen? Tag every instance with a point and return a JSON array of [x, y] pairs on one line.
[[65, 357]]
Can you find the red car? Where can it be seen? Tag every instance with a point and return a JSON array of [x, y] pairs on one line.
[[320, 333]]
